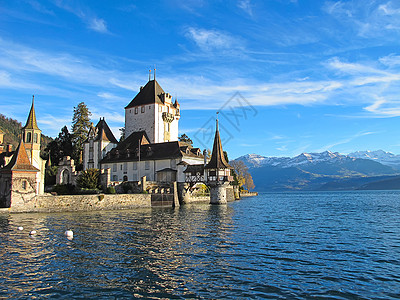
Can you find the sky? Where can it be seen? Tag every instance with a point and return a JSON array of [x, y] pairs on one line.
[[286, 76]]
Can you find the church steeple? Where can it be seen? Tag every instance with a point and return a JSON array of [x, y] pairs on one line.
[[31, 122], [31, 136]]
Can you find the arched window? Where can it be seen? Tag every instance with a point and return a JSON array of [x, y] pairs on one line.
[[29, 137], [35, 138], [125, 178]]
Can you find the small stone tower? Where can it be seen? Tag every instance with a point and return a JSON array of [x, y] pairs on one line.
[[218, 172]]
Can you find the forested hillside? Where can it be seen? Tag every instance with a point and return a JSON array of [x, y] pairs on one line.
[[12, 133]]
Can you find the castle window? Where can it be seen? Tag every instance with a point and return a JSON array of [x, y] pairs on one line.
[[147, 165], [114, 167], [142, 110], [149, 107], [35, 138], [24, 185], [125, 167], [136, 110], [120, 167], [28, 137], [130, 111], [115, 178], [135, 165], [125, 178]]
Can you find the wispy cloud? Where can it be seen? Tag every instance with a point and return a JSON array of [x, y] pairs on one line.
[[345, 141], [87, 16], [210, 40], [246, 6]]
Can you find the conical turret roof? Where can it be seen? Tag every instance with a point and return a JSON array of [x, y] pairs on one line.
[[217, 160], [31, 122]]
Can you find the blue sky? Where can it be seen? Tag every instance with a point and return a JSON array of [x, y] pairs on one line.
[[288, 76]]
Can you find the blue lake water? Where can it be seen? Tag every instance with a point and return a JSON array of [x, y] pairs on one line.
[[330, 245]]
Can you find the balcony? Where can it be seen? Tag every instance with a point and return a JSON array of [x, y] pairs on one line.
[[167, 117]]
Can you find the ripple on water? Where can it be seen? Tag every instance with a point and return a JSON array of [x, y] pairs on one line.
[[278, 245]]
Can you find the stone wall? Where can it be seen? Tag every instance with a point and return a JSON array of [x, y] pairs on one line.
[[50, 203]]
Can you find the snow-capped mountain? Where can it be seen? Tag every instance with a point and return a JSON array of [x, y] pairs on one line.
[[255, 160], [385, 158], [321, 171]]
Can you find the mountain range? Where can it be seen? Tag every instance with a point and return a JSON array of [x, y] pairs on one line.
[[325, 171]]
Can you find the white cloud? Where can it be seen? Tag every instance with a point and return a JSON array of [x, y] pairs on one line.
[[98, 25], [91, 21], [209, 40], [246, 6]]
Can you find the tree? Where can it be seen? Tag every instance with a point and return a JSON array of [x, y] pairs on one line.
[[89, 179], [122, 132], [60, 147], [80, 129], [243, 176], [184, 138]]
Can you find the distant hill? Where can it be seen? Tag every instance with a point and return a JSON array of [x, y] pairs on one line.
[[12, 133], [316, 171]]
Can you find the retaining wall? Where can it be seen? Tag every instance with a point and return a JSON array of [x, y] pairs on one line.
[[50, 203]]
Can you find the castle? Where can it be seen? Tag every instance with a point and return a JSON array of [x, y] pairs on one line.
[[151, 156]]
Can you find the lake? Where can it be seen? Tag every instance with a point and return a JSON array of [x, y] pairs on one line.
[[320, 245]]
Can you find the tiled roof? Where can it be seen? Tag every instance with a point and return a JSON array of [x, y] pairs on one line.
[[104, 132], [31, 122], [20, 161], [149, 94], [128, 150], [217, 160]]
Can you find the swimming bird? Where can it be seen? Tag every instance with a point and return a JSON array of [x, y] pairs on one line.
[[33, 232], [20, 228], [69, 234]]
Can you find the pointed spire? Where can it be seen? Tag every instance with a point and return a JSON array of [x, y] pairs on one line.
[[217, 160], [31, 122], [20, 160]]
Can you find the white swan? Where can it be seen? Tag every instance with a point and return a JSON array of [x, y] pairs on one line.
[[69, 234]]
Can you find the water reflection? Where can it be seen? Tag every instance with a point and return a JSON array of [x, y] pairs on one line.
[[279, 245]]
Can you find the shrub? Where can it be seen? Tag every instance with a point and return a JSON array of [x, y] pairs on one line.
[[50, 176], [89, 179], [111, 190], [64, 189]]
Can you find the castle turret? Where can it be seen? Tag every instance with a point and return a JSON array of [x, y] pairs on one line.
[[218, 172]]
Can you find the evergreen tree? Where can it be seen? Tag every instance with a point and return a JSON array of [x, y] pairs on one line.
[[80, 130], [60, 147], [186, 139]]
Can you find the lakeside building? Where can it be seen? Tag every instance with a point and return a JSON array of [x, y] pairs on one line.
[[150, 158], [151, 147], [22, 176]]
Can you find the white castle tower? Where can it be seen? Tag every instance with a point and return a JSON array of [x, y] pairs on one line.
[[153, 111]]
